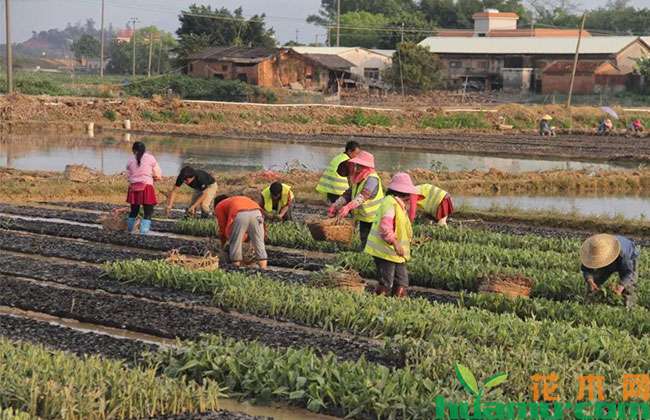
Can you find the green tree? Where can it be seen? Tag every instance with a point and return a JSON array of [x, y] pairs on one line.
[[327, 13], [202, 27], [416, 29], [458, 14], [86, 46], [416, 67], [120, 54], [352, 34]]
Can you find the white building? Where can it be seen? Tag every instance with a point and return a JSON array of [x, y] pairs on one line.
[[368, 64]]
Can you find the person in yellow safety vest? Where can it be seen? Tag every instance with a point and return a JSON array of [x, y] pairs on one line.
[[334, 182], [435, 202], [363, 197], [277, 197], [390, 238]]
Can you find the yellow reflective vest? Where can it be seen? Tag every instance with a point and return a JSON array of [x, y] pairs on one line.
[[433, 196], [331, 182], [367, 211], [377, 247], [287, 195]]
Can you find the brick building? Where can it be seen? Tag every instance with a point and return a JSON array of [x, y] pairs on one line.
[[269, 67], [591, 77]]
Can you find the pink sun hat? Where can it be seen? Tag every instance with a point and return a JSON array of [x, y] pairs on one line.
[[401, 182], [364, 159]]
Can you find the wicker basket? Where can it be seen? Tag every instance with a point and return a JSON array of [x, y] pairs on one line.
[[348, 280], [511, 286], [206, 263], [79, 173], [332, 230], [116, 220]]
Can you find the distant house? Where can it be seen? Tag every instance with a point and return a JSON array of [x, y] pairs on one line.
[[367, 65], [124, 35], [270, 67], [591, 77], [490, 61]]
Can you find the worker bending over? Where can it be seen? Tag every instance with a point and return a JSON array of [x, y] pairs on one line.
[[334, 182], [204, 186], [277, 201], [603, 255], [363, 197], [390, 238], [239, 218], [435, 203], [545, 128]]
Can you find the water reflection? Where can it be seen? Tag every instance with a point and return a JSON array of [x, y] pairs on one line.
[[611, 206], [109, 155]]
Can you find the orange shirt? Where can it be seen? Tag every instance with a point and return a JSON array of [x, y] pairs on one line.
[[227, 210]]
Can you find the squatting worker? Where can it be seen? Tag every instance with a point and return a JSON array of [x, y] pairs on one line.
[[390, 238], [277, 201], [142, 170], [435, 203], [363, 197], [334, 182], [204, 186], [240, 217], [603, 255]]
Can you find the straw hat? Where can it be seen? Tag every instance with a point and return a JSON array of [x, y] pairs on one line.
[[401, 182], [364, 159], [599, 251], [547, 117]]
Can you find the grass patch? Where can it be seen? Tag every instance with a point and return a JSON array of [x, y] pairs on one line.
[[110, 115], [460, 120]]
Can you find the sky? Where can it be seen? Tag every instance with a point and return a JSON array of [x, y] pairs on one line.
[[285, 16]]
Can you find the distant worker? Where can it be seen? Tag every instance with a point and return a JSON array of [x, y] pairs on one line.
[[240, 218], [363, 197], [545, 128], [142, 170], [277, 201], [334, 182], [635, 127], [204, 186], [603, 255], [390, 238], [605, 128], [435, 203]]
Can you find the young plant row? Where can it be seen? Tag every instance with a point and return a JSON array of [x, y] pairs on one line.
[[378, 316], [53, 384], [11, 414]]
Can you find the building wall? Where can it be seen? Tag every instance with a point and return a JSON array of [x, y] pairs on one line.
[[583, 84], [363, 59], [517, 80], [625, 60]]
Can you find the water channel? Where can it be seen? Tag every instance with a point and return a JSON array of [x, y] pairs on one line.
[[109, 155]]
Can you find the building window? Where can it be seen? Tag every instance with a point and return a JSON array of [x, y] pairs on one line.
[[371, 73], [190, 68], [218, 76], [483, 65], [242, 77], [224, 67], [455, 64]]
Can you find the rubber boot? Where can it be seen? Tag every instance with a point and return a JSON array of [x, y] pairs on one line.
[[145, 226], [381, 290], [130, 223], [400, 292]]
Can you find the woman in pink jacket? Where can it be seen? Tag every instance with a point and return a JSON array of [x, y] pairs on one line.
[[142, 170]]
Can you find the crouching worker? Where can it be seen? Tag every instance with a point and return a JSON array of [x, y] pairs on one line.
[[277, 201], [204, 186], [390, 237], [435, 203], [603, 255], [239, 219]]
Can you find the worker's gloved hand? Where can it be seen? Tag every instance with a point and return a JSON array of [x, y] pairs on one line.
[[399, 249], [344, 211], [331, 211]]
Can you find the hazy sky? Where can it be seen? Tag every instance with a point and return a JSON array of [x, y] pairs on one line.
[[285, 16]]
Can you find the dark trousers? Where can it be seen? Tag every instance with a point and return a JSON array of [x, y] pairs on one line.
[[390, 274], [135, 209], [364, 231], [332, 197]]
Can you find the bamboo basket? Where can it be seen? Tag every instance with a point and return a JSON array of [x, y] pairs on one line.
[[344, 279], [79, 173], [116, 220], [511, 286], [332, 230], [208, 262]]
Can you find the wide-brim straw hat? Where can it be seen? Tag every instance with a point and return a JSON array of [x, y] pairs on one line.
[[547, 117], [402, 183], [364, 159], [599, 251]]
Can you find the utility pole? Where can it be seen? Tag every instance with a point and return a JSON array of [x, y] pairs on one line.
[[10, 60], [150, 54], [575, 60], [101, 45], [402, 32], [134, 20], [297, 33], [338, 23], [159, 53]]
